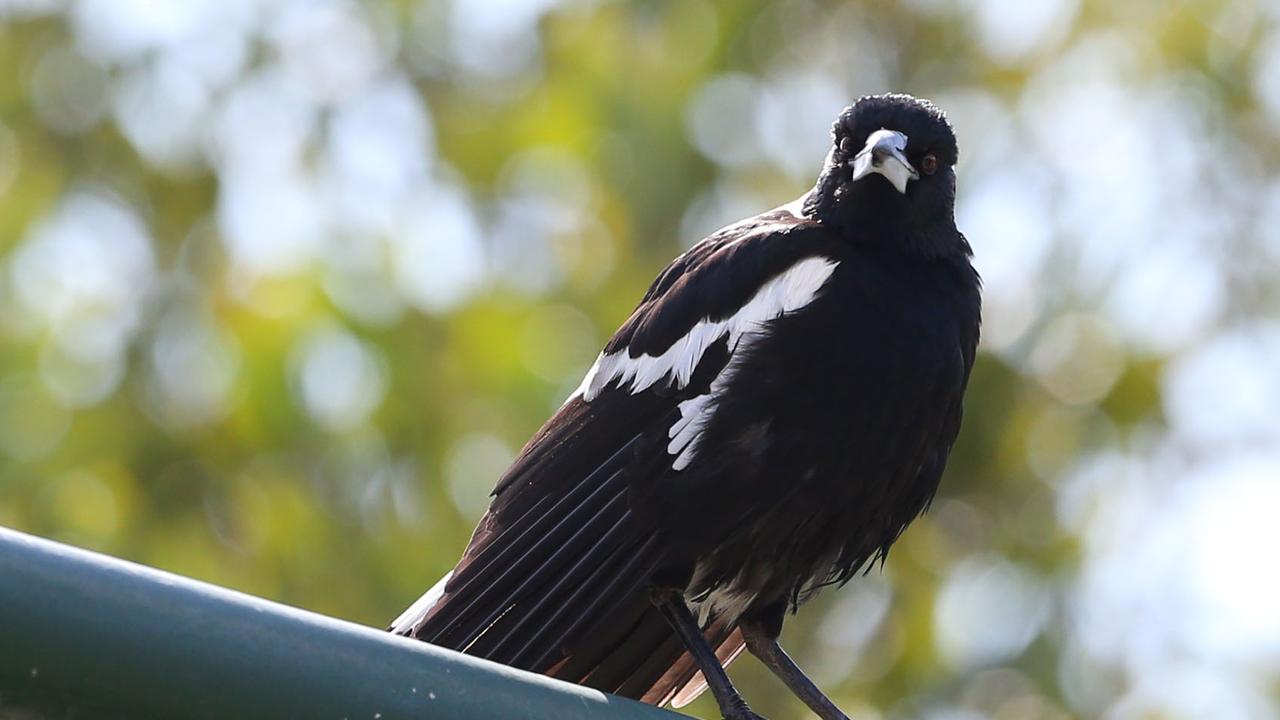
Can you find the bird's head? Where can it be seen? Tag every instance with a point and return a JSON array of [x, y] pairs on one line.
[[890, 175]]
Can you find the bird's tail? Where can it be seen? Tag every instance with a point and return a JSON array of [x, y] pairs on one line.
[[631, 652]]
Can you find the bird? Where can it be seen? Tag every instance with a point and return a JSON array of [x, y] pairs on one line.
[[776, 410]]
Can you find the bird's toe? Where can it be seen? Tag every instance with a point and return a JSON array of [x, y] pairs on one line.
[[743, 714]]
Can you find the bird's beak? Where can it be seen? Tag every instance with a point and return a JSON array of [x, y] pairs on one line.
[[883, 154]]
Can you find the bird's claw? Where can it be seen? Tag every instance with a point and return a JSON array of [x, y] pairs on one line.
[[742, 713]]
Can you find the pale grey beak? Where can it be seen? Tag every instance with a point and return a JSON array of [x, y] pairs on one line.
[[883, 154]]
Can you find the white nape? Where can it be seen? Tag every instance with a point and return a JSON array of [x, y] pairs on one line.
[[787, 292], [421, 606]]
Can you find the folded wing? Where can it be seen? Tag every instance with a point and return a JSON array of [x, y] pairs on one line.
[[556, 576]]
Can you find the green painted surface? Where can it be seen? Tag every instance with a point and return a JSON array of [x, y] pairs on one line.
[[85, 635]]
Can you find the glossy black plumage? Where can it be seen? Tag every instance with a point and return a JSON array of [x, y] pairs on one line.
[[820, 432]]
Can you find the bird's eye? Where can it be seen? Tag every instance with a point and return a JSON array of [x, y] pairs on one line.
[[929, 165], [846, 144]]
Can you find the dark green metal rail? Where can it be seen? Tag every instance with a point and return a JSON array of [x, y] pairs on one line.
[[83, 635]]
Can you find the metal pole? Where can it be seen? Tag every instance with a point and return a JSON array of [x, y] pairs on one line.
[[86, 635]]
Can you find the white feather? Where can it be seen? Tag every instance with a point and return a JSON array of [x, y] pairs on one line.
[[785, 293], [726, 602], [696, 412], [421, 606]]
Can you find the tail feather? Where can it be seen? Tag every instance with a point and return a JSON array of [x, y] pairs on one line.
[[681, 694], [555, 581], [534, 611], [627, 580], [533, 568], [654, 668], [596, 641], [644, 654], [492, 548], [487, 589], [682, 670]]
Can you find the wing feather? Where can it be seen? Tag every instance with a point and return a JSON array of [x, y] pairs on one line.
[[555, 578]]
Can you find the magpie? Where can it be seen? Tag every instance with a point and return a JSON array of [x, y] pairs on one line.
[[775, 411]]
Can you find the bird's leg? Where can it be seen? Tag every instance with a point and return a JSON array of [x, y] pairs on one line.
[[672, 606], [764, 645]]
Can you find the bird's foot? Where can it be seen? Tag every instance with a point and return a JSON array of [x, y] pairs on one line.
[[739, 711]]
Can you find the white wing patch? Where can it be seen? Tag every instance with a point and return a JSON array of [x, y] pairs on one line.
[[694, 414], [421, 606], [785, 293]]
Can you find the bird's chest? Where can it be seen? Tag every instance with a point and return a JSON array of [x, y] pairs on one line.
[[867, 374], [820, 451]]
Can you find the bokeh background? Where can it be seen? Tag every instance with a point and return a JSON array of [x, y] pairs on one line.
[[284, 285]]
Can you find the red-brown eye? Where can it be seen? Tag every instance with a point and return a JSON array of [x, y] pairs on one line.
[[846, 144], [929, 165]]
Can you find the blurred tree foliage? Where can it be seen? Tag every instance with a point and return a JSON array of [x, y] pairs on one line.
[[285, 285]]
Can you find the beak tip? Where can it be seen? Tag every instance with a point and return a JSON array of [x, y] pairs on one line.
[[886, 146]]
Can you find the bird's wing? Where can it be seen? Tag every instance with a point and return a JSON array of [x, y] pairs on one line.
[[560, 550]]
